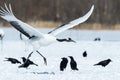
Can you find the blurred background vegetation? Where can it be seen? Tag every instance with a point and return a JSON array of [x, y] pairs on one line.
[[53, 13]]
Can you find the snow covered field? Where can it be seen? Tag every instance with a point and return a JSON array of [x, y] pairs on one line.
[[108, 47]]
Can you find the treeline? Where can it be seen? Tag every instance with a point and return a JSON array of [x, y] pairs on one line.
[[106, 11]]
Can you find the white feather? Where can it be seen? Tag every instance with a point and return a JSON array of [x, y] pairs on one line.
[[7, 14], [72, 23]]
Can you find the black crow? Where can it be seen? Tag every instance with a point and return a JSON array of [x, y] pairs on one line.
[[84, 54], [97, 39], [12, 60], [73, 63], [63, 63], [104, 62], [26, 63]]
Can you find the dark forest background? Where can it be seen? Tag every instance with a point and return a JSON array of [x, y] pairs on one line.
[[106, 11]]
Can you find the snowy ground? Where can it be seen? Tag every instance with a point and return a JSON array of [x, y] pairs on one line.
[[108, 47]]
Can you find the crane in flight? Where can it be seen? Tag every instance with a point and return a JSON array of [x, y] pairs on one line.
[[36, 38]]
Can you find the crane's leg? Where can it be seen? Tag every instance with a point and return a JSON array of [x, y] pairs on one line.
[[28, 57], [26, 45], [45, 61], [1, 44]]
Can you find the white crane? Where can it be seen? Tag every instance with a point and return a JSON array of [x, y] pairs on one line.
[[36, 38], [1, 37]]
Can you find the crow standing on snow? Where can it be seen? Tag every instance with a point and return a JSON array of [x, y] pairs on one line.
[[26, 63], [84, 54], [12, 60], [104, 62], [73, 63], [63, 63]]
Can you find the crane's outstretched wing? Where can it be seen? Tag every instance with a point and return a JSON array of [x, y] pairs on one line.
[[7, 14], [72, 23]]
